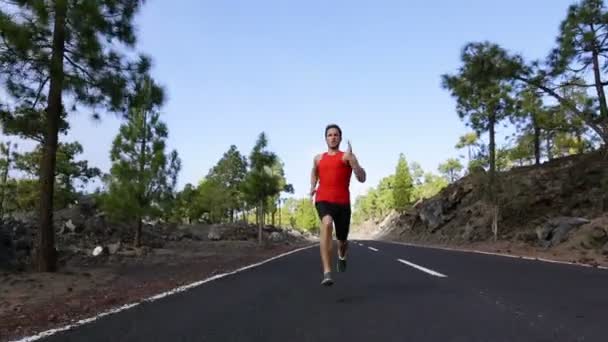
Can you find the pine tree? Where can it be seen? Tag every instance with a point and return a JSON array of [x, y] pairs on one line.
[[524, 150], [272, 203], [142, 175], [451, 169], [261, 183], [582, 49], [535, 115], [8, 156], [580, 53], [67, 169], [230, 173], [483, 93], [213, 201], [185, 205], [402, 185], [54, 49], [469, 140]]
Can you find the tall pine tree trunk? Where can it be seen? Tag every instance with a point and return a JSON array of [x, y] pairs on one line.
[[493, 195], [5, 179], [260, 221], [537, 132], [140, 176], [279, 212], [46, 258], [599, 87], [492, 125]]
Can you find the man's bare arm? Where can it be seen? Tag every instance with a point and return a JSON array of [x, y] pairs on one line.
[[350, 157], [314, 175], [359, 171]]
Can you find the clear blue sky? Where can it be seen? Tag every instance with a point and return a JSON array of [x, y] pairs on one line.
[[236, 68]]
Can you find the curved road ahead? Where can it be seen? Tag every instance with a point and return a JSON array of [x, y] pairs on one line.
[[390, 292]]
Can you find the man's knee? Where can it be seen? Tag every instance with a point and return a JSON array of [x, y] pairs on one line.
[[327, 221]]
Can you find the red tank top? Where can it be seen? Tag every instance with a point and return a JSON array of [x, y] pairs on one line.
[[334, 179]]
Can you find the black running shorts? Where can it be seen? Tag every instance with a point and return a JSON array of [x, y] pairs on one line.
[[340, 213]]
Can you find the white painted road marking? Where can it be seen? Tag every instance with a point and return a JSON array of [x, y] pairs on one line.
[[373, 249], [156, 297], [424, 269]]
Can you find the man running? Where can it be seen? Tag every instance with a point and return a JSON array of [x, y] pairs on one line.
[[333, 170]]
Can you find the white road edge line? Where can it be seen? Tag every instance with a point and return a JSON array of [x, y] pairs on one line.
[[373, 249], [514, 256], [153, 298], [424, 269]]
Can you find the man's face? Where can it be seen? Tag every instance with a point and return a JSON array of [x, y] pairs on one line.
[[333, 138]]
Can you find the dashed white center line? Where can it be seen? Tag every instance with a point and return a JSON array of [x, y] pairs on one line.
[[373, 249], [424, 269]]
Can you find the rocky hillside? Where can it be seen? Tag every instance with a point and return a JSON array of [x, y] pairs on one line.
[[561, 205]]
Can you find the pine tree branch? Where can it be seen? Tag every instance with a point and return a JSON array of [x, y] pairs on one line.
[[603, 43], [40, 92], [80, 68], [576, 84], [112, 16], [69, 51], [153, 187], [576, 71], [14, 53]]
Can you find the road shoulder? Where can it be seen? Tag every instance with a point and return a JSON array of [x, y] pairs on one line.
[[34, 302]]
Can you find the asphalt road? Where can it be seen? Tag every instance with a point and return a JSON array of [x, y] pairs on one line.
[[390, 292]]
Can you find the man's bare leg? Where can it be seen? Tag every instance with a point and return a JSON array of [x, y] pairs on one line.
[[326, 246], [342, 251], [342, 248], [326, 243]]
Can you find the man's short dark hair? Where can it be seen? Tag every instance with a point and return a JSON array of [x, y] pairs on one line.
[[330, 126]]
